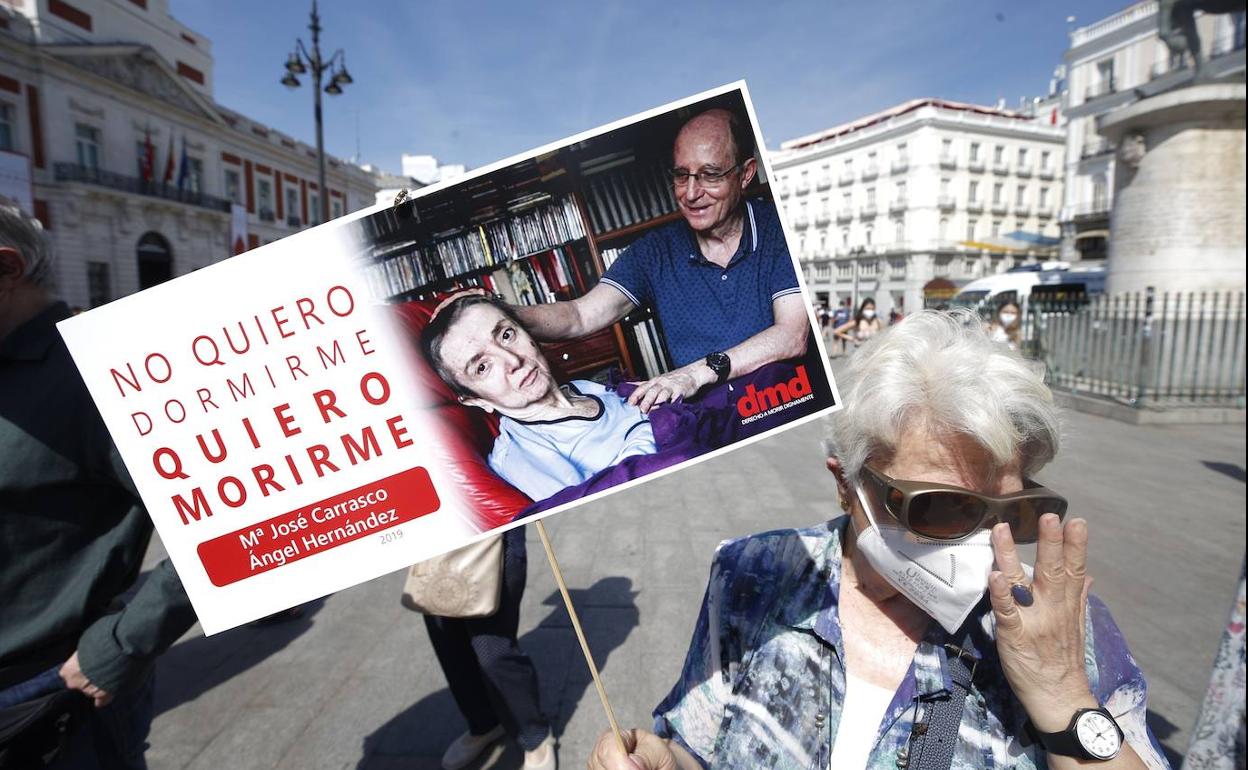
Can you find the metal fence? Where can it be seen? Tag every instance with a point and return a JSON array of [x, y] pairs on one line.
[[1144, 349]]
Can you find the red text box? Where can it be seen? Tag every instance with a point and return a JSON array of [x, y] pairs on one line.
[[319, 527]]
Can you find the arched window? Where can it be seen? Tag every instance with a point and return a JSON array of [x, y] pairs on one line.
[[155, 260]]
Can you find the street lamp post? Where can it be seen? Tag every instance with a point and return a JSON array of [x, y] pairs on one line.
[[302, 60]]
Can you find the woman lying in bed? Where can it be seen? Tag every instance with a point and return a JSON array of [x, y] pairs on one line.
[[550, 436]]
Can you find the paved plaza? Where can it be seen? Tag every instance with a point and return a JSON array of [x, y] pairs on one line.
[[354, 683]]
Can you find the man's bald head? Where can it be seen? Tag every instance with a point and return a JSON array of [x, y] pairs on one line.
[[719, 125]]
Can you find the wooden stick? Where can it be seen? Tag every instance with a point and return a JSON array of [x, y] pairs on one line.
[[580, 636]]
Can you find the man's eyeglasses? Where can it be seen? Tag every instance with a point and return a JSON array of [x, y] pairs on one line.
[[712, 178], [944, 512]]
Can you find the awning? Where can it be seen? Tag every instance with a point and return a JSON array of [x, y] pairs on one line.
[[1091, 234], [940, 288]]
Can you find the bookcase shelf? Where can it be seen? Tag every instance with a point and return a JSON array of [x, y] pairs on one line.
[[635, 229]]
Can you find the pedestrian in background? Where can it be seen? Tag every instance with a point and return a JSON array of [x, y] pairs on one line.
[[75, 663], [1006, 325], [862, 327], [840, 316]]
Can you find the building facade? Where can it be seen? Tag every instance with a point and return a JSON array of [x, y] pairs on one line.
[[1111, 64], [138, 175], [928, 191]]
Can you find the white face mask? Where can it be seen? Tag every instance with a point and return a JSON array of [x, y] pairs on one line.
[[1008, 318], [868, 314], [945, 580]]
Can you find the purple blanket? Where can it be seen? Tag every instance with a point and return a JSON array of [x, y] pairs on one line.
[[746, 406]]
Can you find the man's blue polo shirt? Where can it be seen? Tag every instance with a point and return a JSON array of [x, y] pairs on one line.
[[705, 308]]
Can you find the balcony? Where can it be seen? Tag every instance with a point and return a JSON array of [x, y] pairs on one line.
[[948, 161], [784, 189], [868, 211], [1022, 209], [266, 215], [1096, 148], [975, 206], [72, 172], [1047, 172], [1024, 170], [976, 165], [1000, 207], [823, 216], [1097, 90], [1000, 167], [897, 204], [801, 221], [1045, 211], [1090, 211], [846, 177], [870, 172], [802, 187], [844, 215], [823, 183], [946, 203], [900, 166]]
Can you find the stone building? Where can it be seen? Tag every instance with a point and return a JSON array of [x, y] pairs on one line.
[[930, 190], [136, 172]]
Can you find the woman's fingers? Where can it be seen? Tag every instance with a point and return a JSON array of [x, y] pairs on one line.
[[1003, 604], [1050, 564], [1006, 554], [606, 754], [1075, 559]]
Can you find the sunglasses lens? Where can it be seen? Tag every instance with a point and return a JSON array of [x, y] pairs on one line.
[[1023, 516], [945, 515]]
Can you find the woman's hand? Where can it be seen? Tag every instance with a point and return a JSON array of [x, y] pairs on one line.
[[678, 383], [646, 751], [1041, 644]]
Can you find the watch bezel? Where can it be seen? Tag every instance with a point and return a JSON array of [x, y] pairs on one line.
[[719, 363], [1084, 714]]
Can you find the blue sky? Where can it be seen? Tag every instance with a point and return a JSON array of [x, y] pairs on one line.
[[473, 82]]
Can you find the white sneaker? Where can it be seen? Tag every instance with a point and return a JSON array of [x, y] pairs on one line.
[[543, 757], [468, 747]]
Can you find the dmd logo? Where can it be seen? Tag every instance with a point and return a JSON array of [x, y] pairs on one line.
[[756, 403]]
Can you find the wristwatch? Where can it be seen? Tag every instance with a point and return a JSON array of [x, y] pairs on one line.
[[720, 364], [1092, 734]]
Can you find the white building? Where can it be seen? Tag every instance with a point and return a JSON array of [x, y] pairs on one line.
[[927, 190], [1110, 64], [106, 98], [426, 169]]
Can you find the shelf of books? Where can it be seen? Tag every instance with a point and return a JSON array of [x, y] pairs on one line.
[[542, 231]]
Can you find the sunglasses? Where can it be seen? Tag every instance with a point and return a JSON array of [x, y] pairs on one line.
[[944, 512]]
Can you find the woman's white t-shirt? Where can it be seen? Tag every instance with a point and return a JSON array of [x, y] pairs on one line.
[[861, 714]]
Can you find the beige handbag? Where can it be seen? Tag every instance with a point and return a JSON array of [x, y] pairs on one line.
[[465, 583]]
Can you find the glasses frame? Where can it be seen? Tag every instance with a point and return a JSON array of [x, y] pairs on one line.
[[994, 505], [704, 179]]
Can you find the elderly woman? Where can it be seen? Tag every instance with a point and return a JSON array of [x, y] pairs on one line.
[[868, 642], [550, 436]]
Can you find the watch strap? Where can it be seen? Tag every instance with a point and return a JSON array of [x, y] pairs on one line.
[[1065, 743]]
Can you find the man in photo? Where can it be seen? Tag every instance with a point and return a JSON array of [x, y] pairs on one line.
[[551, 436], [720, 280]]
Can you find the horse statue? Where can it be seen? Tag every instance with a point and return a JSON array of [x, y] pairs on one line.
[[1176, 25]]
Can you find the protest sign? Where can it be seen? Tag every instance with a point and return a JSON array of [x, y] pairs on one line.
[[400, 382]]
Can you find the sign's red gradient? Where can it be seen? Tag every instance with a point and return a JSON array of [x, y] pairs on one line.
[[319, 527]]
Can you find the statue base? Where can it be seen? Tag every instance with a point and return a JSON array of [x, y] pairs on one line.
[[1178, 216]]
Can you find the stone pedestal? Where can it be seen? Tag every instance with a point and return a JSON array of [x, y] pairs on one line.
[[1178, 218]]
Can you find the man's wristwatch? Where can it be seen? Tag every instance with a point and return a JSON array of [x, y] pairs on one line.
[[720, 364], [1092, 734]]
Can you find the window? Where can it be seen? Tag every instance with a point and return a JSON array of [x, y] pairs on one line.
[[968, 267], [941, 267], [823, 271], [140, 153], [1020, 195], [870, 196], [901, 192], [998, 190], [973, 191], [897, 269], [233, 186], [849, 165], [901, 151], [1022, 156], [998, 154], [292, 207], [869, 267], [1105, 75], [869, 235], [336, 208], [845, 271], [996, 228], [195, 175], [974, 150], [314, 208], [899, 230], [99, 284], [943, 231], [1044, 197], [87, 139], [946, 146], [971, 226], [1100, 191], [1046, 157], [944, 185], [7, 122], [264, 195], [845, 238], [847, 201], [871, 157]]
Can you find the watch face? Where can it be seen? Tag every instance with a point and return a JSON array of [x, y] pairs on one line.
[[1098, 735]]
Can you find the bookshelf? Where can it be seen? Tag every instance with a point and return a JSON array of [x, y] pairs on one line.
[[539, 231]]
